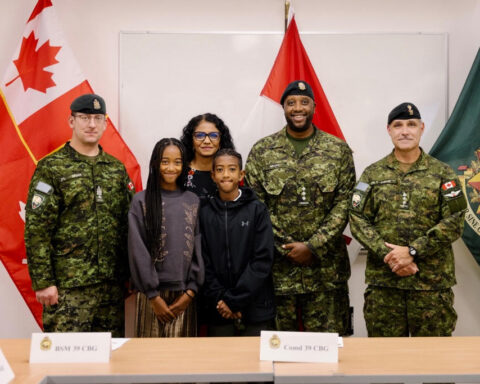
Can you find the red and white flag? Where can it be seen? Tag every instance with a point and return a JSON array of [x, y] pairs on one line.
[[448, 185], [292, 63], [39, 85]]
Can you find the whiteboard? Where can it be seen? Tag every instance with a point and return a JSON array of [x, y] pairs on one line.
[[167, 78]]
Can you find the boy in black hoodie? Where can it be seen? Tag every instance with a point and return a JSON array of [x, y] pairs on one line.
[[237, 246]]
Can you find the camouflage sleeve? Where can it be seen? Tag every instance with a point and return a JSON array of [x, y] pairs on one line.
[[336, 220], [130, 192], [130, 189], [253, 174], [254, 179], [450, 227], [42, 210], [362, 215]]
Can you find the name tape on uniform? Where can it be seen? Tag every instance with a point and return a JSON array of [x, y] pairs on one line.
[[302, 347], [6, 373], [76, 347]]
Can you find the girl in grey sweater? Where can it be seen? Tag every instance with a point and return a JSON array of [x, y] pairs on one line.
[[164, 247]]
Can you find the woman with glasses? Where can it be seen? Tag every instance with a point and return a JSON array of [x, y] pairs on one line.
[[202, 137]]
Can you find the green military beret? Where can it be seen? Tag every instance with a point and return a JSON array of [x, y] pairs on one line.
[[297, 87], [89, 103], [404, 111]]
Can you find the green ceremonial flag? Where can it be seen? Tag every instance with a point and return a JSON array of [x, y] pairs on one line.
[[459, 146]]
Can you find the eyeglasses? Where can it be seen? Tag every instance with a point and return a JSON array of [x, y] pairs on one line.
[[98, 119], [200, 136]]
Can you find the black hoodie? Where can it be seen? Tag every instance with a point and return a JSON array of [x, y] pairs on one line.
[[237, 247]]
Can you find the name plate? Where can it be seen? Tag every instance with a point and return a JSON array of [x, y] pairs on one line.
[[302, 347], [72, 347], [6, 373]]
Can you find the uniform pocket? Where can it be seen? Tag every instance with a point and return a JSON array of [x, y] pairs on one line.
[[275, 180], [325, 194]]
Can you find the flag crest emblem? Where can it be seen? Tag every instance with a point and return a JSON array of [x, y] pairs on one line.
[[470, 181]]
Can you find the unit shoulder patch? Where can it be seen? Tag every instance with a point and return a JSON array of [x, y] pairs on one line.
[[37, 201], [359, 196], [454, 197]]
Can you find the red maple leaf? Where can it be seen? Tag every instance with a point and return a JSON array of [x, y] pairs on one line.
[[30, 64]]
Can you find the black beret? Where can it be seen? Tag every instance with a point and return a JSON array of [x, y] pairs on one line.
[[89, 103], [298, 87], [404, 111]]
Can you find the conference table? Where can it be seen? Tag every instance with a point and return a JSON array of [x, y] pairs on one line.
[[196, 360], [392, 360]]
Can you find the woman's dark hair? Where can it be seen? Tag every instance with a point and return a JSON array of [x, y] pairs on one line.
[[153, 196], [227, 152], [226, 140]]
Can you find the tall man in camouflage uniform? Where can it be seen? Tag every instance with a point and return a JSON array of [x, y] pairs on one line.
[[406, 211], [305, 177], [76, 229]]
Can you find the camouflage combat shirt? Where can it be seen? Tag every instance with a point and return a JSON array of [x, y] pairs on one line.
[[307, 196], [76, 220], [423, 208]]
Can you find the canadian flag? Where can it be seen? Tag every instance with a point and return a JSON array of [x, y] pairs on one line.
[[448, 185], [292, 63], [39, 85]]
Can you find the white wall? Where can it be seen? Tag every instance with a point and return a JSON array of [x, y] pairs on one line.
[[92, 28]]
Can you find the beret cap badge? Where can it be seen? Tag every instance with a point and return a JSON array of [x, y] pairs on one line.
[[404, 111], [89, 103], [299, 88]]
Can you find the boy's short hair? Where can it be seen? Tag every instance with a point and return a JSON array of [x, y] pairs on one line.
[[227, 152]]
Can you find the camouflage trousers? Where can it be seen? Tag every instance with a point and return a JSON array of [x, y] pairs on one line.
[[326, 311], [392, 312], [95, 308]]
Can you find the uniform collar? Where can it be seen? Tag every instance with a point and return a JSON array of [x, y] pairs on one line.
[[78, 157], [421, 163], [284, 143]]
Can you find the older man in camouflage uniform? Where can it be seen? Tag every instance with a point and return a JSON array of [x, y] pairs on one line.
[[305, 177], [76, 229], [406, 211]]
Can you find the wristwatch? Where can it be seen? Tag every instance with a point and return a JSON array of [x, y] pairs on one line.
[[412, 251]]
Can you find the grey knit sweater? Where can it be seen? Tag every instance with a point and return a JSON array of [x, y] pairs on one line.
[[180, 264]]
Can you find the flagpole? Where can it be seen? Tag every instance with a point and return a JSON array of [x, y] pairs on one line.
[[287, 7]]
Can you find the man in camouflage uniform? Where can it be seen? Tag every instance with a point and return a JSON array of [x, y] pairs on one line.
[[305, 177], [76, 229], [406, 211]]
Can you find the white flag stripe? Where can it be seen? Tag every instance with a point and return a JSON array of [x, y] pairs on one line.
[[265, 118]]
